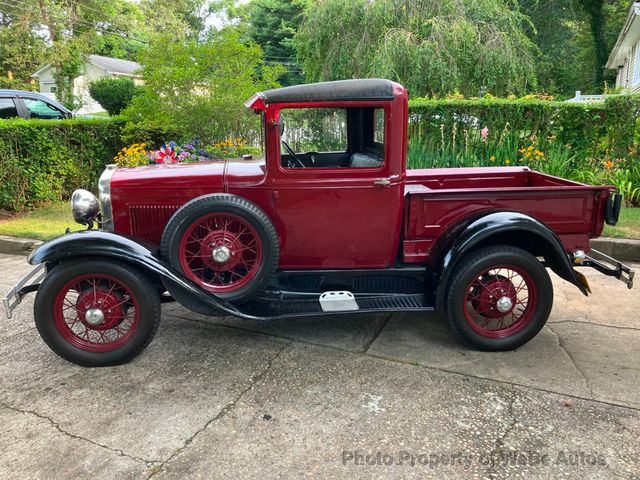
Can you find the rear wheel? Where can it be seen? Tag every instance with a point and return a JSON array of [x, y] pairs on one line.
[[499, 298], [96, 313]]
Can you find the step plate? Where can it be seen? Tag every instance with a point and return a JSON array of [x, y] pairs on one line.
[[339, 301]]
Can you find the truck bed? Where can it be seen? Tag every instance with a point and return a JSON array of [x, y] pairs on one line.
[[438, 199]]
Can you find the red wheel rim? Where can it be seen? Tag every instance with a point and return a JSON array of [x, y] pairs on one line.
[[500, 301], [96, 313], [221, 252]]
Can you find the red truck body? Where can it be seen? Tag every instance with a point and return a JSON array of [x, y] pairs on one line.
[[336, 231], [341, 218]]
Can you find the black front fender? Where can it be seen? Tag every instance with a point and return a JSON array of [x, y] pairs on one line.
[[501, 228], [97, 243]]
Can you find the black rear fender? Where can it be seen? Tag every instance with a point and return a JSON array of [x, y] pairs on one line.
[[507, 228]]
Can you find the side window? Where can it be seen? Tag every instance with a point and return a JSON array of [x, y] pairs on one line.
[[332, 137], [41, 109], [315, 129], [7, 108]]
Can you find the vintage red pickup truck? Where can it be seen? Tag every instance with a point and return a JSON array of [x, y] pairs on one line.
[[328, 222]]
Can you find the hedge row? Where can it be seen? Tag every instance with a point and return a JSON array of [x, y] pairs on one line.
[[45, 160], [589, 129]]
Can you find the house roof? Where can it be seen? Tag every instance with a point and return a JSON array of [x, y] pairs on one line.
[[340, 90], [114, 66], [629, 36]]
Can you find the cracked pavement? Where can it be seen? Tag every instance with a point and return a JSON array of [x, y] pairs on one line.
[[358, 397]]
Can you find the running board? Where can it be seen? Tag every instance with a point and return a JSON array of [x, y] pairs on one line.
[[277, 305]]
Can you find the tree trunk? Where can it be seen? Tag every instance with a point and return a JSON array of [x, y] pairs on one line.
[[597, 20]]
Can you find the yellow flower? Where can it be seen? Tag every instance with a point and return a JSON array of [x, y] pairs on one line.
[[507, 162], [492, 158]]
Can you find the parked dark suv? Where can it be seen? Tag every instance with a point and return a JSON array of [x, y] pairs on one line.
[[20, 103]]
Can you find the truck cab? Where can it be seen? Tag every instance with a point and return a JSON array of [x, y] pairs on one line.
[[328, 222]]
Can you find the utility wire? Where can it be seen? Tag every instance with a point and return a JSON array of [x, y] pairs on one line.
[[104, 30]]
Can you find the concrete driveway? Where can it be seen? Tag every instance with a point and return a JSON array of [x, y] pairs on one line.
[[358, 397]]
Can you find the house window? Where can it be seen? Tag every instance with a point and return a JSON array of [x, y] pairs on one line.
[[636, 67]]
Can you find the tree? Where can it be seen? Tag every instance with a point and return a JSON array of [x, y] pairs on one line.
[[113, 94], [199, 87], [556, 26], [597, 22], [64, 32], [472, 46], [272, 25], [21, 50], [574, 41]]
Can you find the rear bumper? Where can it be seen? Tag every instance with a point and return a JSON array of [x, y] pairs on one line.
[[606, 265]]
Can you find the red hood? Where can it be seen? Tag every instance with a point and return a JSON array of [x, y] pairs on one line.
[[184, 180], [160, 180]]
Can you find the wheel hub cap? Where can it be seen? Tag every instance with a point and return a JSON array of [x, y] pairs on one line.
[[221, 254], [94, 316], [504, 304]]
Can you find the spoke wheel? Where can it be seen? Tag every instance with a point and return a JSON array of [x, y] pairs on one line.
[[96, 313], [500, 301], [498, 298], [225, 244], [221, 251]]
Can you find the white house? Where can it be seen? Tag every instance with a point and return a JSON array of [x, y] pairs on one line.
[[96, 67], [625, 56]]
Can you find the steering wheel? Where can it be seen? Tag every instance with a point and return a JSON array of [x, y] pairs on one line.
[[294, 156]]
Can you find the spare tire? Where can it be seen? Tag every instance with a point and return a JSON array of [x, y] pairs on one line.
[[225, 244]]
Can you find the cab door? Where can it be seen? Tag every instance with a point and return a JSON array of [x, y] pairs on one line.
[[338, 205]]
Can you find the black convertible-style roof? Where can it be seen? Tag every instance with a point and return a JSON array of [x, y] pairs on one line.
[[365, 89]]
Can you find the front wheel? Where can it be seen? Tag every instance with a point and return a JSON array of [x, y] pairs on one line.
[[499, 298], [96, 313]]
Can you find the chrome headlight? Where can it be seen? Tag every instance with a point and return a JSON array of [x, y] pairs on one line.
[[84, 206]]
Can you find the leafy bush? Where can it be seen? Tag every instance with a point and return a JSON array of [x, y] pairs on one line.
[[45, 160], [151, 134], [113, 94]]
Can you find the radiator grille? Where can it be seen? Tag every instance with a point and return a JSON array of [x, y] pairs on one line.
[[148, 221]]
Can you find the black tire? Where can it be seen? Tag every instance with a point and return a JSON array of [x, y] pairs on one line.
[[53, 286], [223, 203], [462, 306]]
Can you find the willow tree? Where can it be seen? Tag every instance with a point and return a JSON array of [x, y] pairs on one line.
[[470, 46]]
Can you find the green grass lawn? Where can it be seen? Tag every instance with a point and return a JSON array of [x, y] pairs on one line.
[[628, 225], [51, 221], [42, 224]]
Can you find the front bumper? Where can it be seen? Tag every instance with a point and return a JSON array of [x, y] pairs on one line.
[[607, 265], [29, 283]]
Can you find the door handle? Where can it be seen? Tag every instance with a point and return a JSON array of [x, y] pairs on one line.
[[385, 182]]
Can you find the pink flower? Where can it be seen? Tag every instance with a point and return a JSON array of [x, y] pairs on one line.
[[484, 133]]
